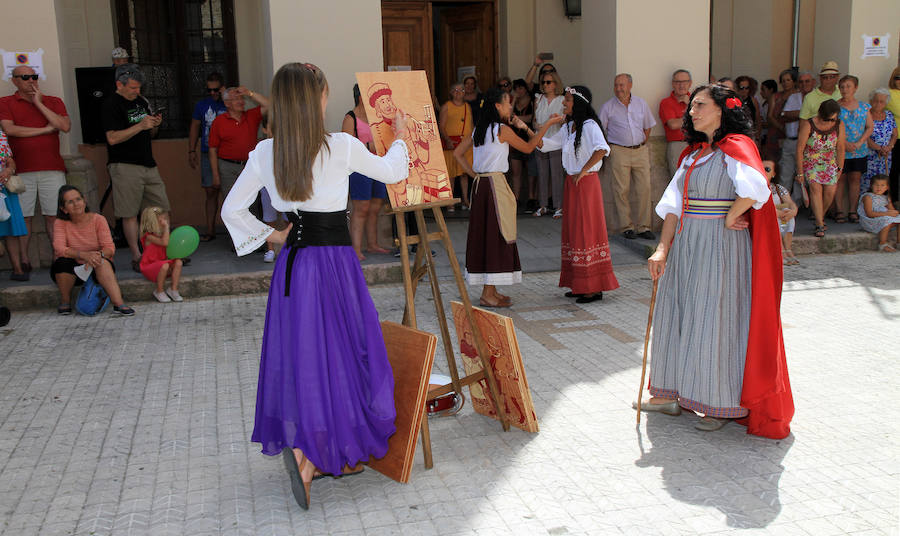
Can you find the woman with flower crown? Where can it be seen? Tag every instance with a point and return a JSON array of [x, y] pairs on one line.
[[717, 341]]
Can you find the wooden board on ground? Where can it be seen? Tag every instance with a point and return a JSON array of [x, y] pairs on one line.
[[411, 354], [506, 361], [386, 94]]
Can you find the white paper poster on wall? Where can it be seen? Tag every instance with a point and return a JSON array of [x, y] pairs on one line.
[[33, 59], [875, 46], [394, 68]]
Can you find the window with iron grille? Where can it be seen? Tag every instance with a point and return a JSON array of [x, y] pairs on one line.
[[178, 43]]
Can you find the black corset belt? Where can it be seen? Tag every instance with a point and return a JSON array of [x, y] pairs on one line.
[[314, 229]]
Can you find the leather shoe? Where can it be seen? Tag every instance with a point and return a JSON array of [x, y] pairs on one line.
[[629, 234], [710, 424], [669, 408]]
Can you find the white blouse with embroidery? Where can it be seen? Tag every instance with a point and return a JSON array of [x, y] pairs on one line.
[[592, 140], [748, 183], [331, 182]]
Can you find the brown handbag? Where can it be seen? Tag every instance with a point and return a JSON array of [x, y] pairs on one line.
[[15, 185]]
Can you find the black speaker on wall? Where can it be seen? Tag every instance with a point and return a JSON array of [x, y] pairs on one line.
[[94, 85]]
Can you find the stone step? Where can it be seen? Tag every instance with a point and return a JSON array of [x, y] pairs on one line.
[[136, 290]]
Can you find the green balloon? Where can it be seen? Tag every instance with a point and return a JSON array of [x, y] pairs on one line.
[[182, 242]]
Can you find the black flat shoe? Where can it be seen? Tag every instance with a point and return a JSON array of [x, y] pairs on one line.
[[647, 235], [571, 294], [589, 299], [629, 234], [19, 277]]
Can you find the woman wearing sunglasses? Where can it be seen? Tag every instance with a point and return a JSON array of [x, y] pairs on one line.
[[550, 169], [820, 158]]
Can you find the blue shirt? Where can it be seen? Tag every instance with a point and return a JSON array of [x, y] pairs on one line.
[[206, 112]]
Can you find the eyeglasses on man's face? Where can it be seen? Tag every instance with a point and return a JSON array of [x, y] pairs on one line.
[[213, 89], [743, 88], [26, 76]]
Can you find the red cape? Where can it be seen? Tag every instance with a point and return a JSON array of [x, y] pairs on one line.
[[766, 391]]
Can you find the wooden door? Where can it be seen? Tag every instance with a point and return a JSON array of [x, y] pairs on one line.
[[407, 36], [468, 37]]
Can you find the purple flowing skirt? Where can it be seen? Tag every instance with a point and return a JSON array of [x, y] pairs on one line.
[[325, 383]]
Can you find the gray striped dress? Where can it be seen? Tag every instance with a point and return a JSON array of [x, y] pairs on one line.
[[702, 317]]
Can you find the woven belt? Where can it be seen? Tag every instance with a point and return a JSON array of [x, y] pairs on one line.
[[707, 208]]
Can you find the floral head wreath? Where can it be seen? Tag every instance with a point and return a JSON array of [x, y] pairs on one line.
[[573, 91], [733, 102]]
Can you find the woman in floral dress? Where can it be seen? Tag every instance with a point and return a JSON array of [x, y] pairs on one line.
[[820, 158], [882, 140]]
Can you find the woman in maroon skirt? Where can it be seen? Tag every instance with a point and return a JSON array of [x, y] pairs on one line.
[[492, 257], [586, 263]]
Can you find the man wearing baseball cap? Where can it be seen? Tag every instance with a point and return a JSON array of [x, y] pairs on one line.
[[119, 56], [828, 79]]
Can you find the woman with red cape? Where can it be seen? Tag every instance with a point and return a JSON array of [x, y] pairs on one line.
[[717, 342]]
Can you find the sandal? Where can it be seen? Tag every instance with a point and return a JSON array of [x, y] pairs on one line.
[[64, 309], [540, 212], [840, 218], [819, 232], [886, 248], [206, 237], [853, 218], [299, 488], [785, 257]]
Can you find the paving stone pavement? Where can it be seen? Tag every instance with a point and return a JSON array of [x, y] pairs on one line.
[[141, 426]]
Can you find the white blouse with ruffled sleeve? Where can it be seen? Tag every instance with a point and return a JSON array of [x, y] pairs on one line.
[[748, 183], [592, 140], [331, 182]]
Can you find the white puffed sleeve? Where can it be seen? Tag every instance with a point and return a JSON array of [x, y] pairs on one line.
[[592, 138], [391, 168], [556, 140], [247, 232], [748, 182], [670, 203]]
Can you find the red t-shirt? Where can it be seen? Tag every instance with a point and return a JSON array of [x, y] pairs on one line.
[[670, 108], [37, 153], [235, 139]]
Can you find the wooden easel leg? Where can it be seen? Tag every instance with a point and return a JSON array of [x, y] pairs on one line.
[[426, 442], [483, 353], [438, 301], [409, 312]]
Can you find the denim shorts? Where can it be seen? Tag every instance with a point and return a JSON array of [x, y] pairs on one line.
[[205, 171], [363, 188]]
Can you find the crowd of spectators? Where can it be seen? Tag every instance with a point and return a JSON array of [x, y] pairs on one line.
[[824, 165], [826, 144]]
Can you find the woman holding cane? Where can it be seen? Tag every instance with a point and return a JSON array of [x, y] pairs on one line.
[[717, 345]]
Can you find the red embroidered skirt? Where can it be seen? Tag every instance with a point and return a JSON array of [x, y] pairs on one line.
[[586, 263]]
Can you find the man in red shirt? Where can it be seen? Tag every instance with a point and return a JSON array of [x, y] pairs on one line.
[[671, 112], [33, 122], [233, 135]]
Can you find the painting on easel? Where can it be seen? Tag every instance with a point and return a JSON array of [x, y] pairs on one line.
[[384, 94], [506, 361]]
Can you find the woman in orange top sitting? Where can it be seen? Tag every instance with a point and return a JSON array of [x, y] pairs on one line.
[[80, 237]]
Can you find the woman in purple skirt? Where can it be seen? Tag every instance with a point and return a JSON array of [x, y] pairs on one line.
[[325, 397]]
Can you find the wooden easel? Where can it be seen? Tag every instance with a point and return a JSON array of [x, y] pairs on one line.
[[412, 274]]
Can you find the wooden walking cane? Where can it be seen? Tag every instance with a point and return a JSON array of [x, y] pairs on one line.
[[646, 343]]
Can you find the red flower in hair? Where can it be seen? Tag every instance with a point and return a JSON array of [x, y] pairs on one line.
[[733, 102]]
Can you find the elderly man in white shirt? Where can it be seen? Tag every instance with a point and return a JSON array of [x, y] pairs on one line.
[[628, 121]]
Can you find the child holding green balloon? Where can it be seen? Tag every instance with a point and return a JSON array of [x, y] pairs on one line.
[[155, 262]]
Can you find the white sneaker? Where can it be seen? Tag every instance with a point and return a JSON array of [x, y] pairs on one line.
[[174, 295], [161, 297], [269, 256]]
